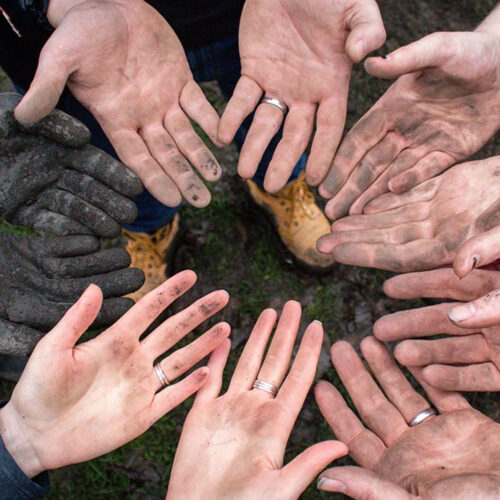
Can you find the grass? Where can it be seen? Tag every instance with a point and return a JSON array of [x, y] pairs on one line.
[[230, 247]]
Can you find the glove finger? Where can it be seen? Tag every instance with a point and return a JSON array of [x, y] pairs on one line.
[[17, 340], [74, 207], [46, 221], [111, 311], [104, 261], [105, 168], [68, 246], [118, 207]]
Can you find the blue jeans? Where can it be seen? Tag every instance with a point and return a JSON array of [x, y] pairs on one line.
[[219, 61]]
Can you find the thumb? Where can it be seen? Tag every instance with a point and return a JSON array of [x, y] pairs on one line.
[[479, 251], [302, 470], [77, 319], [47, 85], [356, 482], [367, 32], [432, 50]]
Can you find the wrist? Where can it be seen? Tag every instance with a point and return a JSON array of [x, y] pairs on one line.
[[17, 443], [491, 24]]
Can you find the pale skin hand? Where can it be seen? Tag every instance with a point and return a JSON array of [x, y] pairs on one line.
[[453, 455], [425, 227], [443, 108], [300, 52], [101, 394], [123, 62], [469, 358], [233, 446]]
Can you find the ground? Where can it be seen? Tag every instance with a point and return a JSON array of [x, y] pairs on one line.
[[230, 247]]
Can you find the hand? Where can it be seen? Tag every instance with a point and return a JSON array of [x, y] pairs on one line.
[[53, 182], [453, 455], [41, 277], [233, 446], [300, 52], [469, 358], [103, 393], [443, 108], [423, 228], [123, 62]]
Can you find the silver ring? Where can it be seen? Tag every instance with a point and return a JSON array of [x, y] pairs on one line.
[[423, 415], [275, 102], [265, 386], [161, 375]]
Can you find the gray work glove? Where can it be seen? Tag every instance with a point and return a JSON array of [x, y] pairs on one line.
[[52, 181], [41, 278]]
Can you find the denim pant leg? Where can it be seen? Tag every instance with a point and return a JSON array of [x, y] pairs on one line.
[[221, 62]]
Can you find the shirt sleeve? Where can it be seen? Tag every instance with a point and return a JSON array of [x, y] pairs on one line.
[[14, 484]]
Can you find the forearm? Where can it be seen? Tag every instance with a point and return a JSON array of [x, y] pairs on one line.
[[18, 444], [492, 23]]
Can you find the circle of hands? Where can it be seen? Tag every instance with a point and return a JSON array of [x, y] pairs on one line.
[[407, 211]]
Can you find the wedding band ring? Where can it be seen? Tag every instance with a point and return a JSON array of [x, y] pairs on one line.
[[161, 375], [265, 386], [275, 102], [423, 415]]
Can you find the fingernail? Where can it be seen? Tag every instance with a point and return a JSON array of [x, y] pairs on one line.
[[333, 485], [318, 321], [461, 313], [385, 57], [361, 48], [475, 260], [226, 292]]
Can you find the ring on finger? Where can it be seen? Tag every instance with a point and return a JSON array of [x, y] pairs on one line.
[[423, 415], [275, 102], [265, 386], [161, 375]]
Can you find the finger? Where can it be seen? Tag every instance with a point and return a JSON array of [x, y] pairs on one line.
[[195, 104], [330, 121], [164, 150], [182, 360], [430, 51], [178, 326], [359, 483], [191, 145], [367, 132], [442, 283], [60, 201], [244, 100], [480, 250], [295, 388], [366, 31], [66, 246], [216, 364], [46, 221], [451, 351], [250, 360], [132, 150], [297, 131], [418, 255], [278, 357], [396, 386], [106, 169], [444, 401], [47, 85], [390, 201], [483, 377], [76, 321], [119, 208], [172, 396], [154, 303], [366, 172], [364, 446], [377, 412], [428, 167], [480, 313], [265, 125], [302, 470], [416, 323]]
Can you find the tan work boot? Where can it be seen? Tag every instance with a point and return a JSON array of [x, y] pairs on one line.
[[151, 253], [298, 220]]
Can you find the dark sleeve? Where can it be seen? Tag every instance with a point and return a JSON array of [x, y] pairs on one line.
[[37, 9], [14, 484]]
